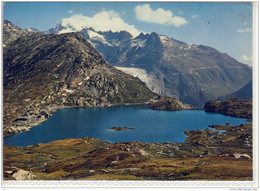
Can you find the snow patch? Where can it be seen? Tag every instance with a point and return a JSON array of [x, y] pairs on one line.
[[138, 43], [164, 39], [98, 37], [95, 35], [66, 30]]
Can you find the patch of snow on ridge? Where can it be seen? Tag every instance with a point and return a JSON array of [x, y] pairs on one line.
[[95, 35], [154, 84], [98, 37], [66, 30], [137, 42], [164, 39]]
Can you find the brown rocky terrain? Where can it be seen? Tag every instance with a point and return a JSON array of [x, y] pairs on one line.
[[206, 155]]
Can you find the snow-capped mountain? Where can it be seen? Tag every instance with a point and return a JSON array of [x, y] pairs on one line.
[[193, 74], [31, 30]]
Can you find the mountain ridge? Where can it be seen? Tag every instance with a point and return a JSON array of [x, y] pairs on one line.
[[43, 73], [193, 74]]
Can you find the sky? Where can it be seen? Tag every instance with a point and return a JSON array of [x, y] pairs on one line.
[[226, 27]]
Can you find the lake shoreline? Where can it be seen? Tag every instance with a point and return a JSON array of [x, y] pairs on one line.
[[152, 126], [12, 129], [77, 158]]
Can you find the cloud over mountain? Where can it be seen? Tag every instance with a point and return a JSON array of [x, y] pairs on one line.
[[158, 16], [102, 21]]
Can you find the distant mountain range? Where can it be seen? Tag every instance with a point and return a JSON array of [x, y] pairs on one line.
[[193, 74], [50, 71]]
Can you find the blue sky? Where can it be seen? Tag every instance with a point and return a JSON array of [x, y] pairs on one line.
[[224, 26]]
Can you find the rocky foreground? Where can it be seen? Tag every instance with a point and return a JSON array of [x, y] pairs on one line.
[[208, 154]]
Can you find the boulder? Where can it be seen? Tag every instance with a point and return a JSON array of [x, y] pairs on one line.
[[239, 155], [24, 175]]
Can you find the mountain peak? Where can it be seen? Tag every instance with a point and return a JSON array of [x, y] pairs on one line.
[[31, 30], [11, 32]]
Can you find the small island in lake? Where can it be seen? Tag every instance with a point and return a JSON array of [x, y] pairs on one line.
[[121, 128]]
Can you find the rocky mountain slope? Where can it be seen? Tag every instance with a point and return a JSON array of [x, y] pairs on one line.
[[43, 73], [246, 92], [11, 32], [193, 74]]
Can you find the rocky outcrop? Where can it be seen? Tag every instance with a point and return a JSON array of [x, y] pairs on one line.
[[43, 73], [121, 128], [239, 155], [26, 121], [232, 107], [169, 104], [24, 175]]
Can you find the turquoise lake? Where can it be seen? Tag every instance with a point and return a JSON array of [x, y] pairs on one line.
[[151, 125]]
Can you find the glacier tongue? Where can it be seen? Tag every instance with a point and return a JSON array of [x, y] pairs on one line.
[[152, 82]]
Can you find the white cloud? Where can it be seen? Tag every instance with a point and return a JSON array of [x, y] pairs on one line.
[[70, 11], [245, 58], [158, 16], [245, 23], [102, 21], [194, 16], [244, 30], [180, 12]]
